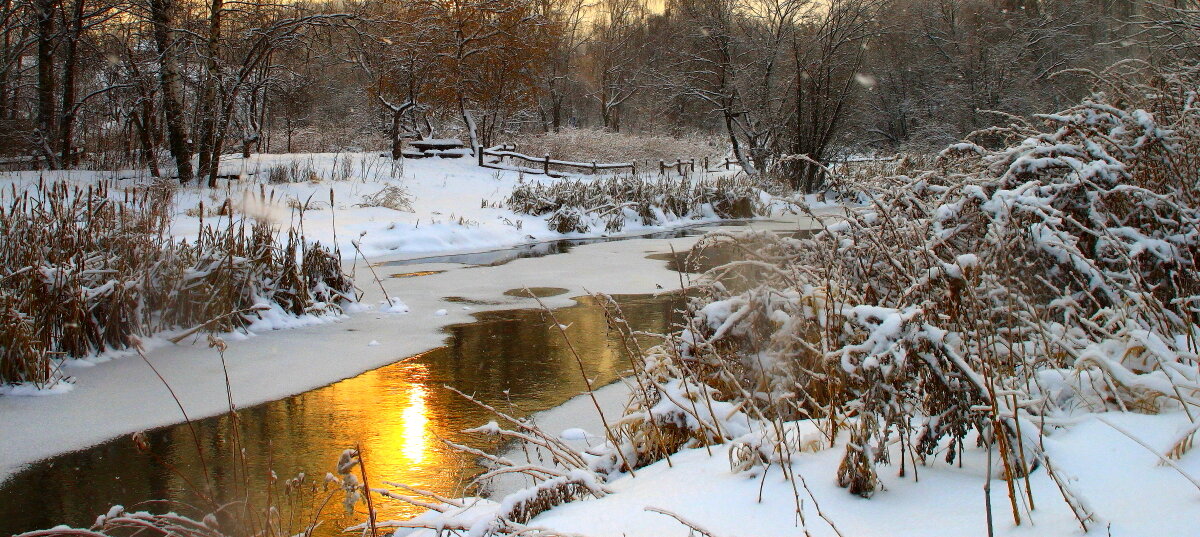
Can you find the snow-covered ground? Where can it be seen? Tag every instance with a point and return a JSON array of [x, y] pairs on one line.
[[1122, 481]]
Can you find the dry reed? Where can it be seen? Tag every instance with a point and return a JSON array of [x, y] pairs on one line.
[[612, 202], [87, 270]]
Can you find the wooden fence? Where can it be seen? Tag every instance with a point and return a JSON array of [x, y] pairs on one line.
[[542, 164]]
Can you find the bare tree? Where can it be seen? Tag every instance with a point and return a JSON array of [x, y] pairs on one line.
[[16, 39], [83, 16], [828, 52], [617, 47], [564, 20], [399, 59]]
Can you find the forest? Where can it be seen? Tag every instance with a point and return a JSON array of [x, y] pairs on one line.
[[159, 84]]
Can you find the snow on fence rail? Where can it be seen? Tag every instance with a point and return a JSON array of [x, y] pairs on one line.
[[682, 167]]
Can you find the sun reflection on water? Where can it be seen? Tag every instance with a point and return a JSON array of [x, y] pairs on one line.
[[414, 420], [398, 414]]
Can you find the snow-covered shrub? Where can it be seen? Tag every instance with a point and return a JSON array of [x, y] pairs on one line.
[[1033, 271], [613, 202], [87, 270]]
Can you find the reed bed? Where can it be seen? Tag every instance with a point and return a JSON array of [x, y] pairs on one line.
[[84, 270], [611, 203]]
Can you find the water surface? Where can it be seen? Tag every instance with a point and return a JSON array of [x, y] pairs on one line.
[[398, 413]]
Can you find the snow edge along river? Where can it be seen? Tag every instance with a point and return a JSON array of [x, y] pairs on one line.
[[273, 364]]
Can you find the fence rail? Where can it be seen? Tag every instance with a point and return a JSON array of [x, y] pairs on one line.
[[510, 151], [541, 165]]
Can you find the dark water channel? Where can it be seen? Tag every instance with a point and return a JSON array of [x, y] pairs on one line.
[[398, 413]]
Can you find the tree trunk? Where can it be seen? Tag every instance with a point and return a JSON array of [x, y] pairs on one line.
[[472, 130], [70, 68], [147, 141], [556, 113], [161, 12], [6, 46], [738, 153], [222, 129], [397, 140], [206, 109], [46, 116]]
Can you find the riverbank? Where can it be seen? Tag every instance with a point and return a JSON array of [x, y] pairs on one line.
[[275, 364], [1123, 482], [1132, 494]]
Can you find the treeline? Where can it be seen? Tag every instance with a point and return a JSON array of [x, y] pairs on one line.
[[169, 85]]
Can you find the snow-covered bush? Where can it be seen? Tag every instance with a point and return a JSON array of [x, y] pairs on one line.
[[613, 202], [87, 270], [1035, 271]]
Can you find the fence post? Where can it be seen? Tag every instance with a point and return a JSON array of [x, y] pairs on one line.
[[726, 164], [593, 167], [679, 166], [633, 167], [705, 163], [662, 166], [693, 165], [546, 165], [479, 153]]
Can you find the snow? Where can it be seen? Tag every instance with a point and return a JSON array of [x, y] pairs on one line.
[[393, 305], [574, 433], [576, 415], [1131, 493], [1121, 480], [29, 390]]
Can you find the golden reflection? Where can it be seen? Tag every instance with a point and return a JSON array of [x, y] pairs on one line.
[[413, 424], [397, 413]]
